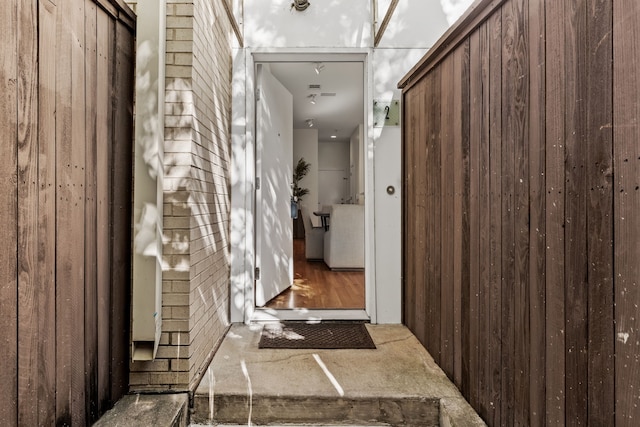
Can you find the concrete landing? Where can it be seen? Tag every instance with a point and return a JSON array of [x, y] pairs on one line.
[[160, 410], [397, 384]]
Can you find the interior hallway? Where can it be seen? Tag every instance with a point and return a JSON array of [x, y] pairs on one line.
[[315, 286]]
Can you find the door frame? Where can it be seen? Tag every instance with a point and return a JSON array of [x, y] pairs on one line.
[[243, 205]]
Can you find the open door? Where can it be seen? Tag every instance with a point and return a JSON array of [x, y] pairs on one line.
[[274, 169]]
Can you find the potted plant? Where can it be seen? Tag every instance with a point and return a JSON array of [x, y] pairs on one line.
[[300, 171]]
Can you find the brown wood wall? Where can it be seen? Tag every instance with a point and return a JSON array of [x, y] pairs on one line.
[[66, 78], [522, 210]]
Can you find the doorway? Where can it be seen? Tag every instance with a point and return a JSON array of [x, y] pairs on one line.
[[328, 118]]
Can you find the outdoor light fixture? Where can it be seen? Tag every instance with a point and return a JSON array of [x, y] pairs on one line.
[[300, 5], [312, 98], [310, 123], [318, 67]]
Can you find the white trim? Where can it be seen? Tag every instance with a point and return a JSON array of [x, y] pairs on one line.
[[242, 300], [303, 314]]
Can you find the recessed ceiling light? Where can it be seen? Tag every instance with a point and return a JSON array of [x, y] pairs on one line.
[[333, 136]]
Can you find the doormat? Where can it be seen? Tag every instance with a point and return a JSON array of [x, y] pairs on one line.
[[320, 336]]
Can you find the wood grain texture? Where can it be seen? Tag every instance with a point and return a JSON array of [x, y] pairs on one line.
[[121, 181], [495, 215], [554, 219], [576, 269], [599, 203], [537, 195], [47, 57], [50, 80], [29, 288], [446, 212], [626, 164], [463, 183], [553, 187], [77, 250], [484, 209], [516, 132], [420, 216], [434, 231], [315, 286], [104, 132], [476, 312], [8, 210], [90, 213]]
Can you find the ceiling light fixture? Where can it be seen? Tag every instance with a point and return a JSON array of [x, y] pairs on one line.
[[310, 123], [312, 98], [318, 66]]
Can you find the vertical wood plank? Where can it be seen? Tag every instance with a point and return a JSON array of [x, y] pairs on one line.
[[90, 238], [507, 246], [434, 292], [457, 198], [554, 219], [77, 211], [410, 188], [70, 159], [537, 240], [121, 208], [47, 57], [576, 269], [463, 178], [104, 129], [516, 217], [29, 357], [626, 158], [599, 201], [446, 208], [495, 215], [420, 214], [476, 342], [484, 188], [8, 209]]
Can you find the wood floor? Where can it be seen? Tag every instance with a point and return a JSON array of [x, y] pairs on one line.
[[315, 286]]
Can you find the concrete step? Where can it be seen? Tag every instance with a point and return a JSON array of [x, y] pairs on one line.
[[158, 410], [396, 384]]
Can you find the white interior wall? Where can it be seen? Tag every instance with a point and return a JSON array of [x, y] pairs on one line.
[[333, 161], [305, 144]]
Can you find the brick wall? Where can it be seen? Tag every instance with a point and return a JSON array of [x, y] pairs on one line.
[[196, 195]]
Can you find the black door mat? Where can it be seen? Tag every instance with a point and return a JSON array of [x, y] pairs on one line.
[[323, 335]]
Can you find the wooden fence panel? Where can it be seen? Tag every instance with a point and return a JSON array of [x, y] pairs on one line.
[[65, 360], [538, 289]]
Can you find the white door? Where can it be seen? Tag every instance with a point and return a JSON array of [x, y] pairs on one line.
[[274, 168]]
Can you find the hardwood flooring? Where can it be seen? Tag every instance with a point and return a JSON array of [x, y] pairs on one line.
[[315, 286]]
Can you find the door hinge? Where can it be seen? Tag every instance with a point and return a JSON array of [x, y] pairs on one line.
[[257, 183], [257, 94], [257, 273]]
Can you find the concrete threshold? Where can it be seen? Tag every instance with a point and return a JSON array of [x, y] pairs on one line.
[[397, 384]]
